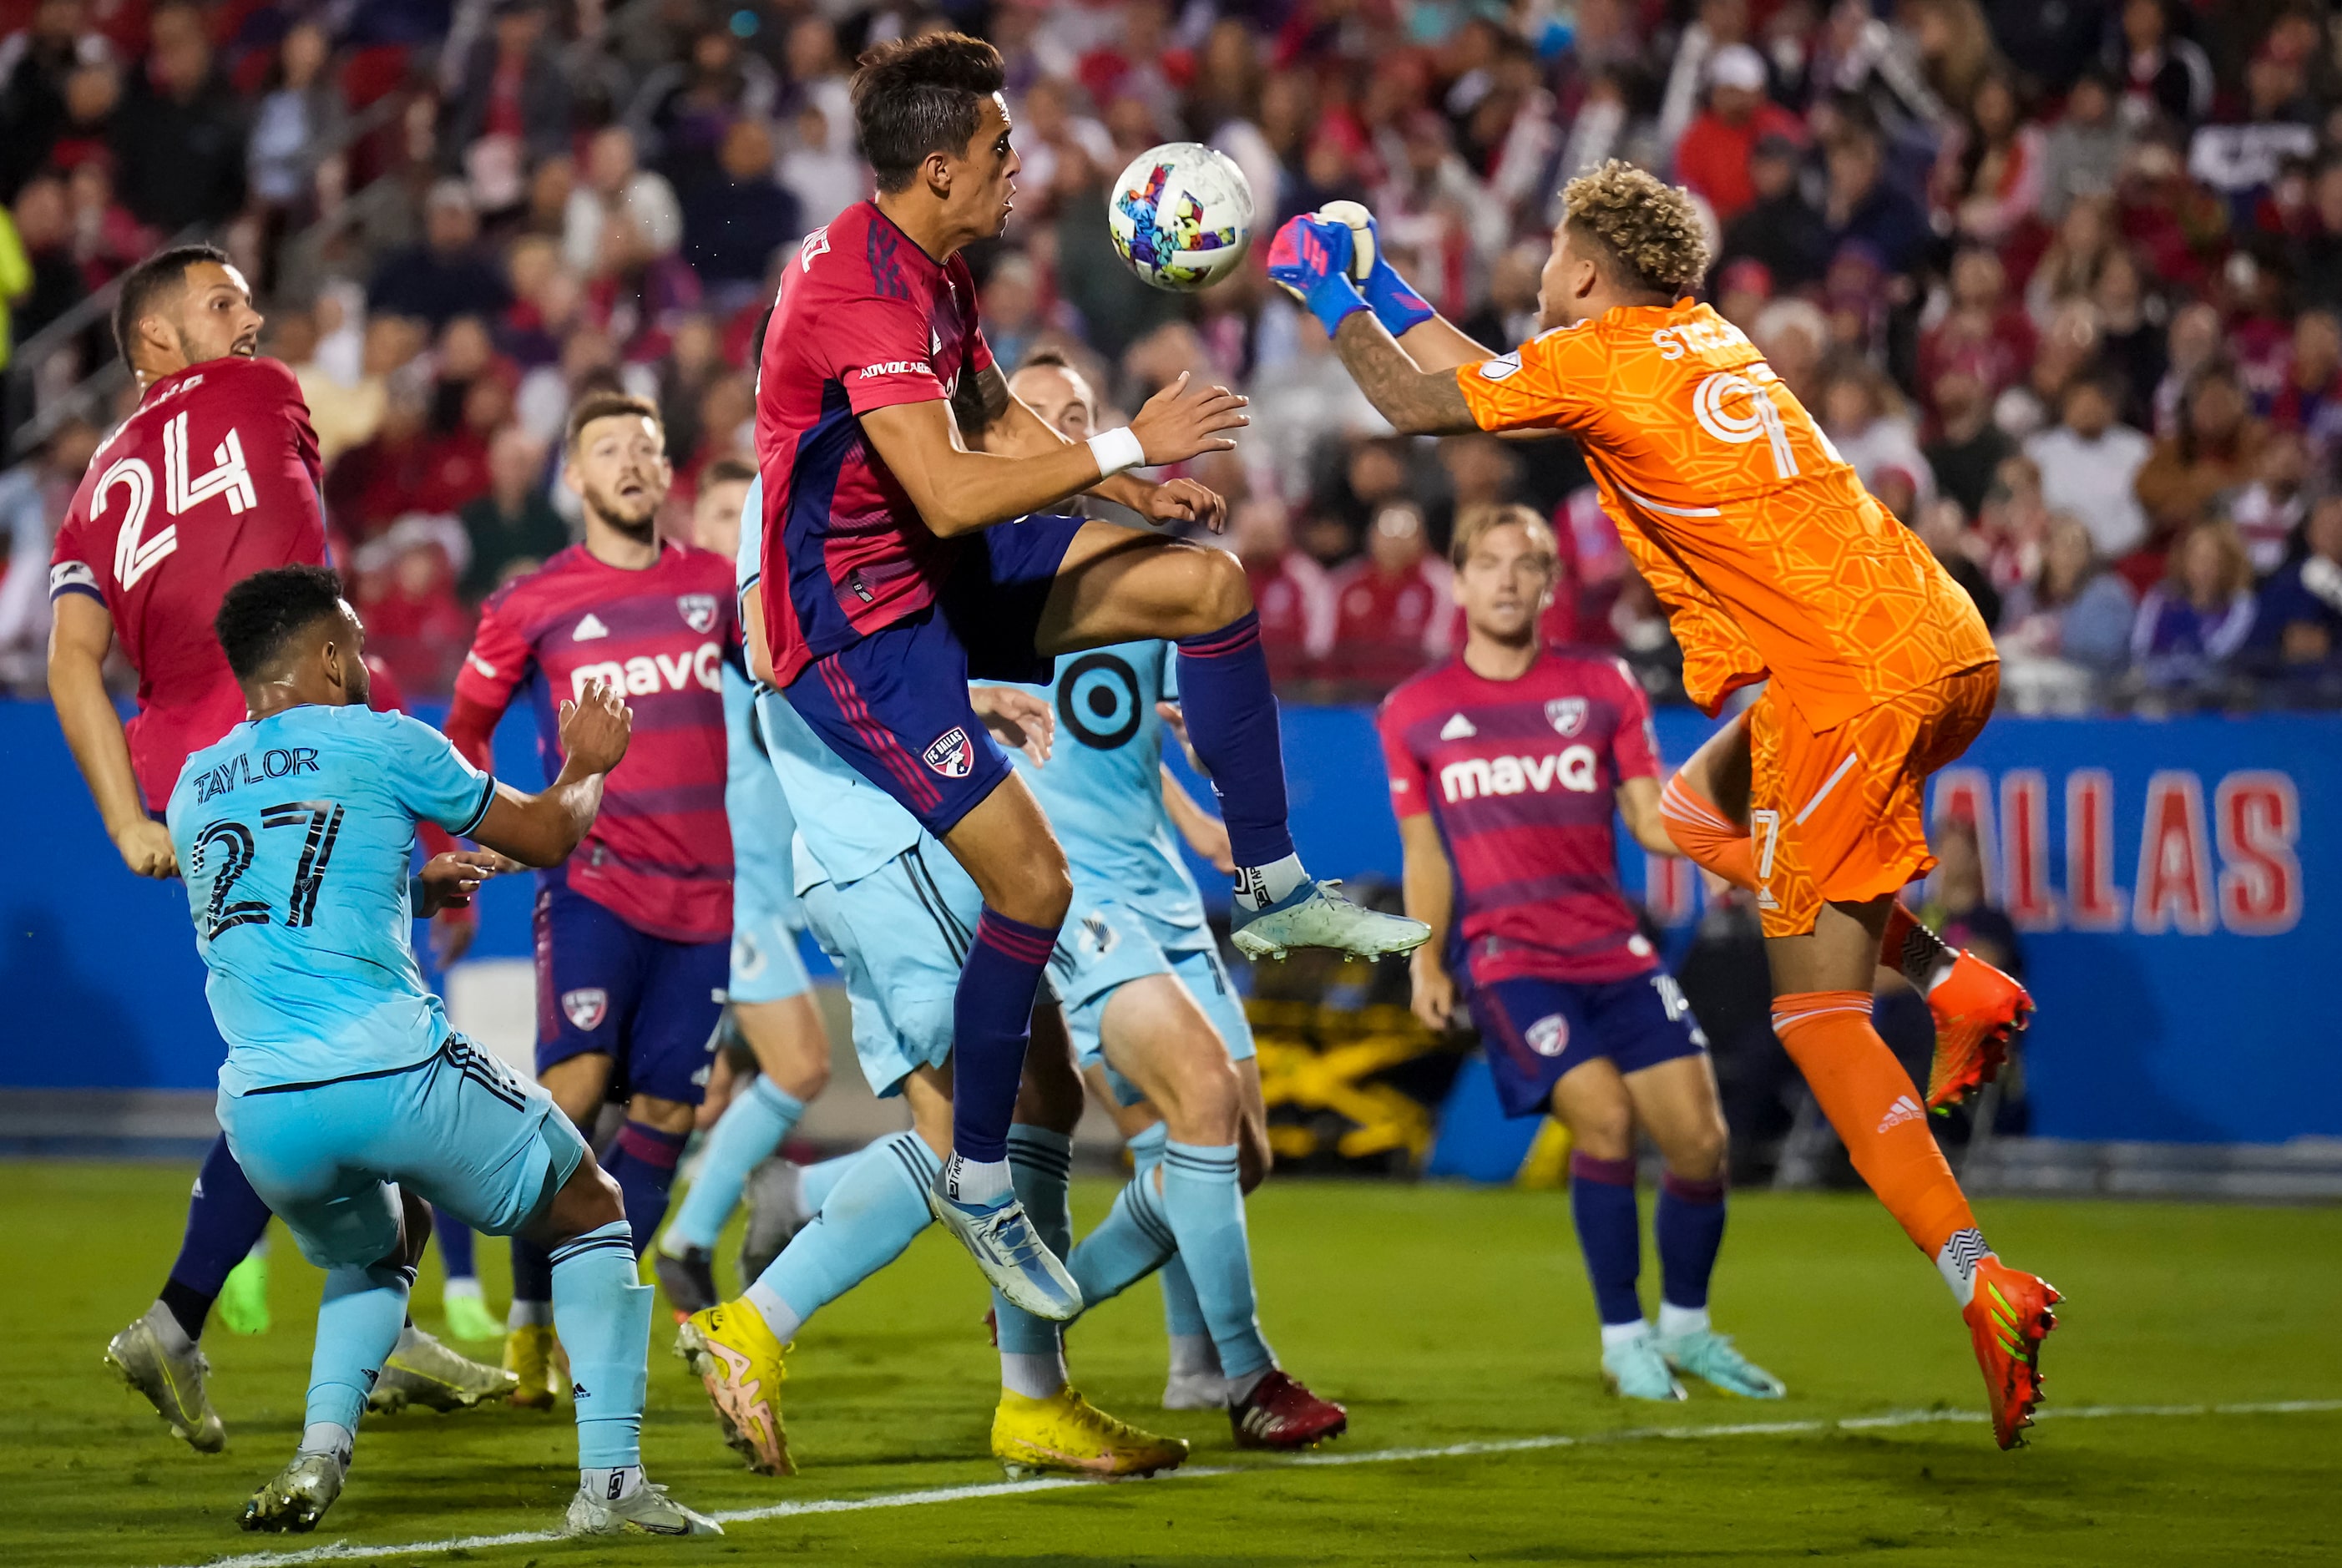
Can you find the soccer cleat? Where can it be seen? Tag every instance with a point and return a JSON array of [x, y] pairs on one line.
[[1281, 1412], [1709, 1356], [689, 1280], [1317, 914], [2008, 1317], [777, 1212], [1066, 1434], [297, 1496], [1635, 1370], [529, 1353], [242, 1304], [1009, 1250], [468, 1317], [173, 1382], [645, 1511], [1196, 1391], [421, 1371], [742, 1365], [1978, 1011]]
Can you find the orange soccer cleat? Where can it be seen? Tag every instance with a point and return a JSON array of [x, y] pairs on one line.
[[1978, 1011], [2008, 1317]]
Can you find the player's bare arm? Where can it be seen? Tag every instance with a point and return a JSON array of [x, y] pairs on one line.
[[541, 829], [1011, 428], [1427, 884], [1204, 834], [78, 640], [1638, 808], [1417, 402]]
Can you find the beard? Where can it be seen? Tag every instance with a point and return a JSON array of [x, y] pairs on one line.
[[638, 525]]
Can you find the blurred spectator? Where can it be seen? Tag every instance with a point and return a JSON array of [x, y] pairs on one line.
[[511, 109], [2082, 153], [1714, 156], [1991, 176], [686, 109], [2193, 623], [1863, 205], [2090, 465], [108, 241], [2164, 76], [2240, 159], [1982, 328], [1969, 448], [406, 591], [1299, 405], [1957, 907], [345, 414], [2130, 334], [300, 119], [1292, 594], [2269, 510], [179, 137], [1394, 606], [733, 220], [38, 279], [2213, 452], [1010, 307], [2297, 622], [32, 498], [36, 63], [2074, 609], [1793, 336], [2310, 403], [614, 187], [1943, 527], [1779, 227], [1864, 415], [449, 274], [2191, 346], [513, 528]]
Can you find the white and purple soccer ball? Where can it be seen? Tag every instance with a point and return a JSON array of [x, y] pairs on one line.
[[1181, 215]]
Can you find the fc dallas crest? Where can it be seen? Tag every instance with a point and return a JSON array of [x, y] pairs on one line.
[[586, 1007], [1566, 714], [950, 755], [698, 611]]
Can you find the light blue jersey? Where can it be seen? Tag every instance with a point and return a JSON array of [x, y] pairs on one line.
[[294, 833]]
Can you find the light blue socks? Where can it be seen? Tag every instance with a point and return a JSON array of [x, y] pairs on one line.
[[751, 1128], [1204, 1203], [875, 1210], [816, 1182], [1032, 1353], [602, 1313], [1134, 1238], [357, 1328]]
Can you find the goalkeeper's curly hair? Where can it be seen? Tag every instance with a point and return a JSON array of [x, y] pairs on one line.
[[1646, 229]]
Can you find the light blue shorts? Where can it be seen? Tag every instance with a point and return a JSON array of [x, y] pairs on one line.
[[766, 919], [1106, 946], [899, 936], [459, 1129]]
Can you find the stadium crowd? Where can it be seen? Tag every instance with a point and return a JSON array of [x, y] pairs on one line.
[[2063, 281]]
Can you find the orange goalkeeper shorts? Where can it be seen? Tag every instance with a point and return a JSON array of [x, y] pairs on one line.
[[1837, 815]]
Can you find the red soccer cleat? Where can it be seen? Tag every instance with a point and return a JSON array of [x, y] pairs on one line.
[[1978, 1011], [1282, 1414], [2008, 1317]]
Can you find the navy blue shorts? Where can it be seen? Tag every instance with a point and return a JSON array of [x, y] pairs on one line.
[[895, 704], [650, 1004], [1534, 1031]]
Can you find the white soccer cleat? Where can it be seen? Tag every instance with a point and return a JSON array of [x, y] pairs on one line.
[[421, 1371], [1317, 914], [1011, 1253], [171, 1380], [645, 1511], [297, 1496], [1196, 1391]]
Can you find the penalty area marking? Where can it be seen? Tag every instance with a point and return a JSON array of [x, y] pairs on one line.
[[339, 1552]]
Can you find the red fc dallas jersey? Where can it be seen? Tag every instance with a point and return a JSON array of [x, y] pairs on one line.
[[659, 857], [1520, 777], [213, 478], [866, 320]]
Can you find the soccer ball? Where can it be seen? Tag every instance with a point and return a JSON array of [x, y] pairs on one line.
[[1361, 234], [1181, 215]]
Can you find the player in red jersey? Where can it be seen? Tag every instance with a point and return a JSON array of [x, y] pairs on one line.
[[213, 477], [904, 553], [1505, 766], [633, 933]]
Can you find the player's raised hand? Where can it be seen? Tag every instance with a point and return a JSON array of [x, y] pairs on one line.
[[595, 729], [1186, 420], [1018, 720], [1435, 992], [1185, 501], [146, 849], [1310, 260], [449, 880]]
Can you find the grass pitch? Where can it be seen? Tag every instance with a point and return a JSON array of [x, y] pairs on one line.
[[1442, 1316]]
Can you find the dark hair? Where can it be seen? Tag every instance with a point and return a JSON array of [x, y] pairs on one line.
[[606, 405], [914, 96], [149, 281], [726, 470], [261, 613], [1044, 359]]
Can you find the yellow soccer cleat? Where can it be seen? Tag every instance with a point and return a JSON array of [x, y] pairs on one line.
[[1066, 1434], [740, 1363], [530, 1353]]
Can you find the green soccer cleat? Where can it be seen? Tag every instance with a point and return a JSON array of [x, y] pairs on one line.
[[468, 1317], [645, 1511], [1635, 1370], [1317, 914], [171, 1380], [1709, 1355], [243, 1305], [299, 1496], [421, 1371]]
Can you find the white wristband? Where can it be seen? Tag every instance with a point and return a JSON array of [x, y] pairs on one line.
[[1116, 450]]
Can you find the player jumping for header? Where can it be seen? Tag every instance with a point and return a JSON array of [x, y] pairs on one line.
[[1776, 565], [902, 554]]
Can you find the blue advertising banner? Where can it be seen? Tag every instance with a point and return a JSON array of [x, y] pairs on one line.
[[2174, 882]]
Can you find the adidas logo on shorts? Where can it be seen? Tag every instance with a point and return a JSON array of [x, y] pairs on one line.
[[1905, 1109]]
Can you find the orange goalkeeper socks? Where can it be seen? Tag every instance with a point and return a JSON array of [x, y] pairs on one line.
[[1705, 836], [1878, 1114]]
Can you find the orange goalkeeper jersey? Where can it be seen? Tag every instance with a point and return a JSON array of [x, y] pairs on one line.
[[1772, 559]]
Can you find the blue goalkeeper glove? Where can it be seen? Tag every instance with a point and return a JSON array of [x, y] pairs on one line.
[[1392, 299], [1310, 257]]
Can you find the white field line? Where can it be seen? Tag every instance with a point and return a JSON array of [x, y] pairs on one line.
[[338, 1552]]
